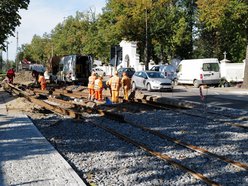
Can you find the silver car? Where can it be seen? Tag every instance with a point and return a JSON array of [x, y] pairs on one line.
[[168, 70], [151, 80]]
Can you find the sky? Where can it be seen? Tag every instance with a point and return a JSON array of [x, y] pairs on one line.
[[43, 15]]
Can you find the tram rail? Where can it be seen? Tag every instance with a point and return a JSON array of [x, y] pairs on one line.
[[75, 111]]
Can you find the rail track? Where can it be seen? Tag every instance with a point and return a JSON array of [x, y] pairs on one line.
[[74, 103]]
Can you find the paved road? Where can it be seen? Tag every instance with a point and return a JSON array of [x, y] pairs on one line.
[[225, 97]]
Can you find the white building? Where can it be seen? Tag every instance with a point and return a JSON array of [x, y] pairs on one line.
[[130, 58]]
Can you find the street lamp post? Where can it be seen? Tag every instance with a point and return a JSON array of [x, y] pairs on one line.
[[146, 61], [1, 60], [146, 52], [17, 50], [7, 51]]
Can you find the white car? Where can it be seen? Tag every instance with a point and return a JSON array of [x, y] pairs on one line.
[[99, 71], [151, 80]]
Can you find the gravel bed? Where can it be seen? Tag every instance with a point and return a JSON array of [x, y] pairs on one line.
[[103, 159]]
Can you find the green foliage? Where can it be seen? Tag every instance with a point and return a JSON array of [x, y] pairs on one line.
[[223, 27], [10, 18], [175, 28]]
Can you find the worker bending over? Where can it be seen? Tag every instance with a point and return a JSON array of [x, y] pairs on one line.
[[42, 81], [115, 84], [91, 84], [11, 75], [126, 84]]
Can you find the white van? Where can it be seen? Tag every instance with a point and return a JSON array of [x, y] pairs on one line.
[[199, 72]]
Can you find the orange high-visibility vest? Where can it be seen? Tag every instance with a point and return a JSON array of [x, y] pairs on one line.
[[91, 82], [115, 83], [42, 80], [126, 82], [98, 84]]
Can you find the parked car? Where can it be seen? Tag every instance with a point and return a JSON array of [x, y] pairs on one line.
[[168, 70], [99, 71], [129, 71], [151, 80]]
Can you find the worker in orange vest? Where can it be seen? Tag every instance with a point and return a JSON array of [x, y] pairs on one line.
[[126, 84], [91, 83], [98, 87], [115, 84], [42, 81], [108, 86]]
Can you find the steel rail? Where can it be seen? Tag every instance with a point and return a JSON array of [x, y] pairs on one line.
[[120, 118], [159, 155], [164, 106], [53, 108], [189, 146]]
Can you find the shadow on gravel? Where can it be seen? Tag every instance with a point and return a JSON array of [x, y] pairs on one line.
[[83, 145], [216, 137], [5, 97], [19, 140]]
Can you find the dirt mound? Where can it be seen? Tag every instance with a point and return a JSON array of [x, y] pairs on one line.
[[24, 77]]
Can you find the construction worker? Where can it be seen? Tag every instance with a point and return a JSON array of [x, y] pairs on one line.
[[35, 75], [126, 84], [11, 75], [115, 84], [108, 85], [42, 81], [91, 83], [98, 87]]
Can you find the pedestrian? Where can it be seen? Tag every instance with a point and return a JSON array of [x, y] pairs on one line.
[[91, 83], [126, 84], [98, 87], [11, 75], [115, 84], [35, 75], [42, 81]]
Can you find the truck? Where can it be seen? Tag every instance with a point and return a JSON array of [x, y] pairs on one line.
[[75, 68], [199, 72], [231, 73]]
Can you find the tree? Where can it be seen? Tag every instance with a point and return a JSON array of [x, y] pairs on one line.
[[223, 27], [39, 51], [10, 18], [159, 27]]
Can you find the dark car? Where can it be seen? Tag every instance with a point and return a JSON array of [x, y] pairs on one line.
[[129, 71]]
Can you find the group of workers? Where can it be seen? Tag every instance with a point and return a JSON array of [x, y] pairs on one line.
[[95, 86], [38, 77]]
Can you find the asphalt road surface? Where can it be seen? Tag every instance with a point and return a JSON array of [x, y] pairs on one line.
[[235, 98]]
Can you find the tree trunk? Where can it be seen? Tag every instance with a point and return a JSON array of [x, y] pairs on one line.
[[245, 82]]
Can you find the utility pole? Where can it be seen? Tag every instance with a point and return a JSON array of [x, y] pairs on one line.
[[7, 52], [146, 63], [146, 52], [17, 47], [115, 57], [1, 60]]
